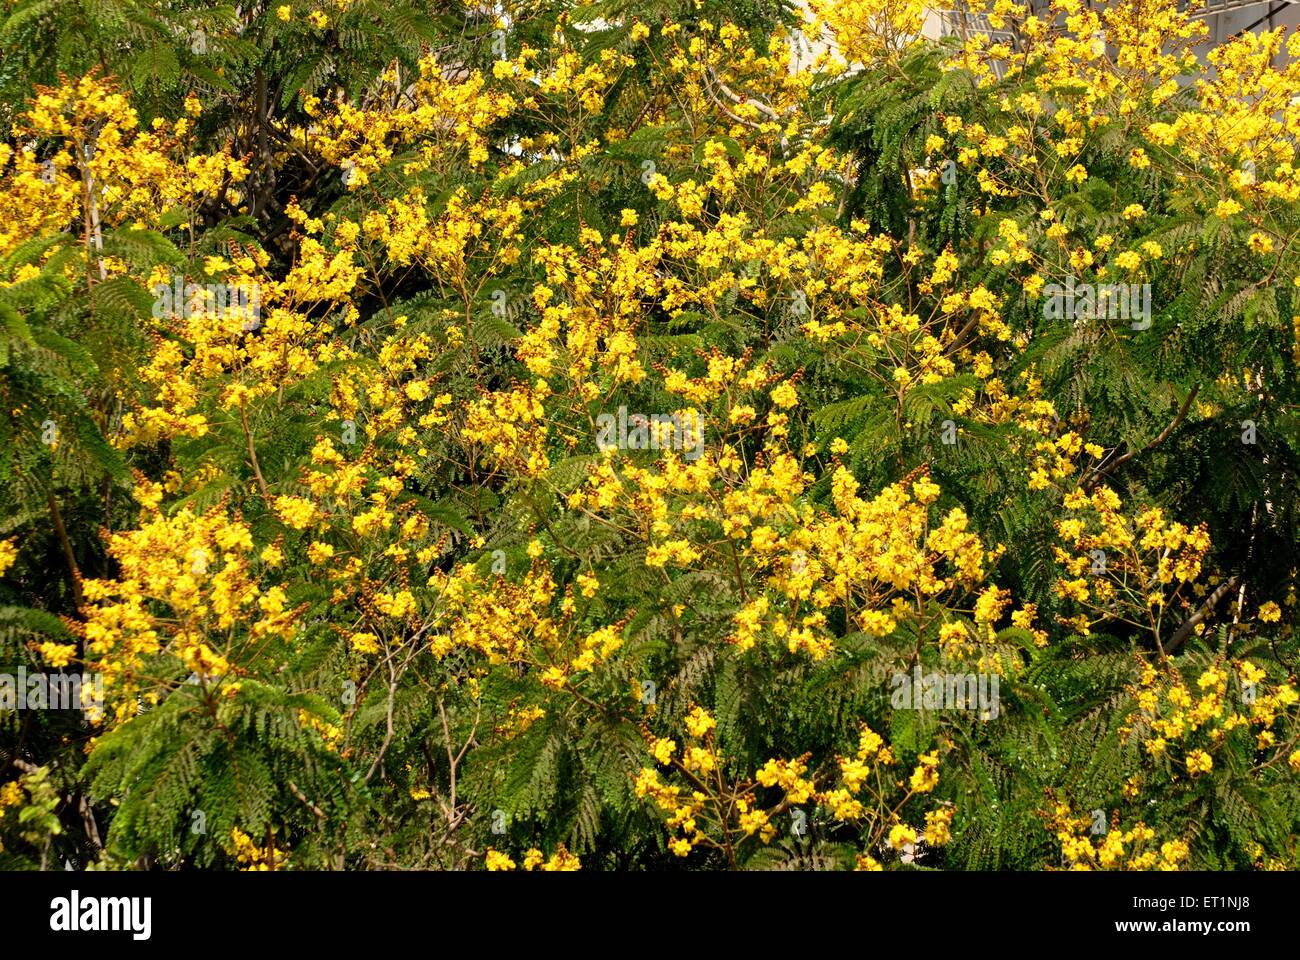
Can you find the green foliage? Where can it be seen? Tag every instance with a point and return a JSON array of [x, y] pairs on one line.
[[427, 757]]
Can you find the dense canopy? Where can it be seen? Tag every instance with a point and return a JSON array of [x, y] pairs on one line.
[[647, 434]]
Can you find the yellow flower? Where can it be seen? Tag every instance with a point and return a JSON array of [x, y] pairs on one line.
[[1128, 260], [988, 608], [1250, 673], [365, 643], [699, 722], [57, 654], [751, 821], [1198, 761], [319, 553], [562, 861], [496, 861], [785, 396], [295, 511], [901, 835], [663, 750], [925, 491], [938, 825], [926, 777], [8, 554]]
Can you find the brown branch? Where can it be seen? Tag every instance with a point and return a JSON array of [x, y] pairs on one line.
[[88, 821], [252, 454], [1102, 471], [293, 787], [736, 98], [66, 544], [1212, 601]]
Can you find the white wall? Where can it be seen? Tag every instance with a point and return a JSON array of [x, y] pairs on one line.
[[1223, 23]]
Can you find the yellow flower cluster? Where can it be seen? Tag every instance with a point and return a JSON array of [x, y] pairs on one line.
[[560, 861], [1131, 569], [199, 569], [1116, 849], [708, 810], [251, 857], [1173, 717]]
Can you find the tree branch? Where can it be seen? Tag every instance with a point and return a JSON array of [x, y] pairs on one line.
[[1212, 601], [1102, 471]]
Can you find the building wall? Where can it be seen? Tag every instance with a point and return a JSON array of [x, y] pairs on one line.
[[1229, 17], [1223, 23]]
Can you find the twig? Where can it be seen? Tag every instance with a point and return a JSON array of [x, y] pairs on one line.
[[293, 788], [252, 454], [66, 544]]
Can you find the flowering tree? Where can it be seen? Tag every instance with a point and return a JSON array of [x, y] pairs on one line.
[[566, 437]]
